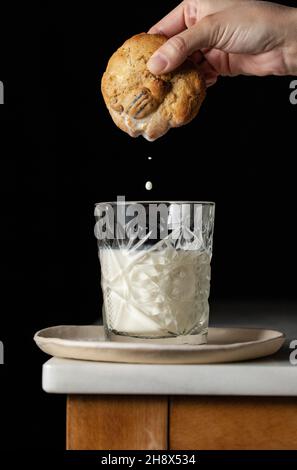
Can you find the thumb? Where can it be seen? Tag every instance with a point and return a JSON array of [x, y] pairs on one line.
[[176, 50]]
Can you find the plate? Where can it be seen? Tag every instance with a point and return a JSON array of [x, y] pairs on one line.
[[224, 345]]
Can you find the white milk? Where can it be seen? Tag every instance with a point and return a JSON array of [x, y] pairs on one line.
[[155, 293]]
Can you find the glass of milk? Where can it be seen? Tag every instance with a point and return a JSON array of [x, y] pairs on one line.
[[155, 269]]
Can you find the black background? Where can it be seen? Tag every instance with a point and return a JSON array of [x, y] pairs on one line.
[[60, 153]]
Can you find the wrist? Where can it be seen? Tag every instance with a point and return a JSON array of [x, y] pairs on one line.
[[290, 44]]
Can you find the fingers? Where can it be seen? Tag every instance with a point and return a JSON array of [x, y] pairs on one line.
[[187, 13], [176, 50], [209, 73], [171, 24], [197, 57]]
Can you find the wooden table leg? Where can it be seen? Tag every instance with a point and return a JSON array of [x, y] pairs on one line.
[[233, 423], [98, 422]]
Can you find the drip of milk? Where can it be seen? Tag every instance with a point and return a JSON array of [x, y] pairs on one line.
[[149, 184], [155, 293]]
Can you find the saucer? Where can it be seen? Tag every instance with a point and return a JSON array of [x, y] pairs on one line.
[[224, 345]]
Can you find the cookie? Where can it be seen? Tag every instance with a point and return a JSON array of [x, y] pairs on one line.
[[141, 103]]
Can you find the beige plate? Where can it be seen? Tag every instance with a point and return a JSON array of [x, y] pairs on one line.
[[224, 345]]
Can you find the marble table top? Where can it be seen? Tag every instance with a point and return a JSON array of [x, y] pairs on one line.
[[272, 376]]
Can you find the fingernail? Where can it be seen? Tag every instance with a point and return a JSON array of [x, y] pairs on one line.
[[191, 14], [155, 30], [157, 64]]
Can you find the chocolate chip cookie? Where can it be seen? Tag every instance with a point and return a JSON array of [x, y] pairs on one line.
[[141, 103]]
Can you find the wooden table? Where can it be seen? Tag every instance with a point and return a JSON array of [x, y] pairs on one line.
[[162, 422], [248, 405]]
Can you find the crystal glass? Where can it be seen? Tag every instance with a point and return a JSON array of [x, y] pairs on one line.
[[155, 269]]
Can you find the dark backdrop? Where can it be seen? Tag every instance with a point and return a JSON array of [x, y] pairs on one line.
[[61, 153]]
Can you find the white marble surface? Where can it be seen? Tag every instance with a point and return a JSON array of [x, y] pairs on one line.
[[272, 376]]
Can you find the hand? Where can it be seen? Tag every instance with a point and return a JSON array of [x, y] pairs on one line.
[[228, 37]]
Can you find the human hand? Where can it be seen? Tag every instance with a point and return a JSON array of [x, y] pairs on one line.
[[228, 37]]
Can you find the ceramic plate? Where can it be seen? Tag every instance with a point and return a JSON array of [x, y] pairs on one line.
[[224, 345]]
